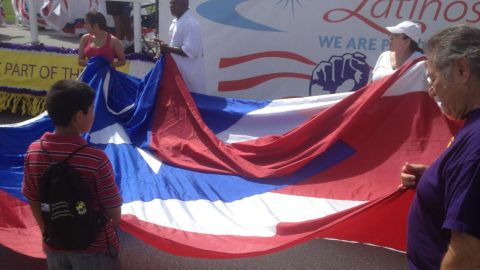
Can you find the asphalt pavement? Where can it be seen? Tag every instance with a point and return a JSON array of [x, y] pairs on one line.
[[315, 254]]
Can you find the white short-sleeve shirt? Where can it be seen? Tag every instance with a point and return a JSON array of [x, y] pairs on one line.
[[383, 67], [185, 33]]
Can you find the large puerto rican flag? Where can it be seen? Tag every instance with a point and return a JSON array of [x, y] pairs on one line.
[[212, 177]]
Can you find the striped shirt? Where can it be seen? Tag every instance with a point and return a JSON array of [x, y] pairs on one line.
[[92, 163]]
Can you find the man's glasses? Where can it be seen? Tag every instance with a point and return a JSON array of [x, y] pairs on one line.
[[428, 77]]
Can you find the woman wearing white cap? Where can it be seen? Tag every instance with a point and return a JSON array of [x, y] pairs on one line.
[[404, 47]]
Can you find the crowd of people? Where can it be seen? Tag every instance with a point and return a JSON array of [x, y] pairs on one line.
[[443, 226]]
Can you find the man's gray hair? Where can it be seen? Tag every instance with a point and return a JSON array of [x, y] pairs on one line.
[[455, 42]]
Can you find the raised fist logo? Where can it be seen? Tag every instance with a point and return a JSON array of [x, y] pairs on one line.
[[339, 74]]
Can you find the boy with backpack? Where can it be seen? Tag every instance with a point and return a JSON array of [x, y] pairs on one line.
[[71, 187]]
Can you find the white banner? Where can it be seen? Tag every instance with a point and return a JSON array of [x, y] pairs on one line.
[[280, 48], [270, 49]]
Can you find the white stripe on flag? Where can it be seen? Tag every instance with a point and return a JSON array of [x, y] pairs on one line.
[[253, 216]]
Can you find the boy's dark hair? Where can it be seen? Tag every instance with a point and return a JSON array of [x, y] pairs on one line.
[[95, 17], [67, 97]]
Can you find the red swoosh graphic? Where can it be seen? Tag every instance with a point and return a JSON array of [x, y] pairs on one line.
[[355, 13], [359, 16], [227, 62], [235, 85]]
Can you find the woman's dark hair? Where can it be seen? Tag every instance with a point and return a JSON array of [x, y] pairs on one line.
[[413, 44], [95, 17], [67, 97]]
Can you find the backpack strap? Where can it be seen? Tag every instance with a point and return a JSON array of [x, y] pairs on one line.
[[67, 158]]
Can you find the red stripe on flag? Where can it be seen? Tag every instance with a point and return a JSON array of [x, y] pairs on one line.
[[415, 131], [180, 136], [19, 230], [380, 222]]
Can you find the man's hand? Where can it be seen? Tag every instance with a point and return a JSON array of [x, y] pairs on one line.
[[410, 174], [163, 46], [158, 41]]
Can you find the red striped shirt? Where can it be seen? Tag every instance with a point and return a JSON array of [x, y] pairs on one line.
[[92, 163]]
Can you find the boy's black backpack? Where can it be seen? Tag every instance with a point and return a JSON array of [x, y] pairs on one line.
[[66, 203]]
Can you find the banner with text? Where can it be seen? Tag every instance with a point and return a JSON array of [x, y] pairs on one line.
[[37, 70], [27, 72], [272, 49], [279, 48]]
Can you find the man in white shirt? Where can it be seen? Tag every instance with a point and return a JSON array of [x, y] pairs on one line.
[[186, 46]]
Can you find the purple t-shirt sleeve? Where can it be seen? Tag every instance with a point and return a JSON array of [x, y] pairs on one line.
[[462, 198]]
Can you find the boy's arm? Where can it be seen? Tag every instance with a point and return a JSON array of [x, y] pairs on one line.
[[107, 190], [113, 205], [115, 214], [37, 213]]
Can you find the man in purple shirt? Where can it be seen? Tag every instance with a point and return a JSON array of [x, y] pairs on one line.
[[444, 218]]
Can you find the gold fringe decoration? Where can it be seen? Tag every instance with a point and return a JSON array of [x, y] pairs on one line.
[[22, 103]]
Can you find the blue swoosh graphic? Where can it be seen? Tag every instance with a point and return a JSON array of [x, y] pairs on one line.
[[223, 12]]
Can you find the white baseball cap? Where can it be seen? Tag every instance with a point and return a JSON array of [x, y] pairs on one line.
[[408, 28]]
